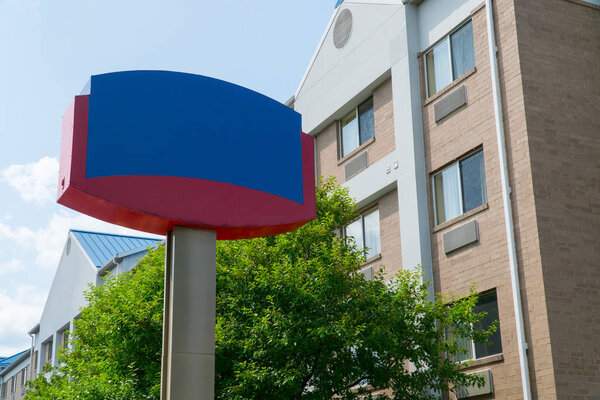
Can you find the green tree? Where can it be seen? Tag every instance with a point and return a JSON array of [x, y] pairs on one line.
[[295, 320]]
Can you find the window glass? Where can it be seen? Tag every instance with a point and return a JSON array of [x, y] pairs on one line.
[[372, 234], [459, 188], [34, 362], [439, 74], [488, 304], [447, 194], [365, 232], [64, 338], [354, 230], [466, 344], [463, 51], [472, 175], [356, 131], [48, 352], [366, 120], [452, 57], [349, 133]]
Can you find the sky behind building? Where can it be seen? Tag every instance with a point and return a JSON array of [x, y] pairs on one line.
[[49, 50]]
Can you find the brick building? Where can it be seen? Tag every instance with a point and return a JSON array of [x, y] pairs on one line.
[[400, 98], [14, 373]]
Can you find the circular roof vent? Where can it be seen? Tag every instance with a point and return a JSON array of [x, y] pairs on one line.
[[342, 29]]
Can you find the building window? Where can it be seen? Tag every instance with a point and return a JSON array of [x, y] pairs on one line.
[[24, 376], [13, 384], [48, 352], [487, 303], [63, 338], [450, 59], [4, 390], [357, 127], [34, 363], [460, 187], [365, 232]]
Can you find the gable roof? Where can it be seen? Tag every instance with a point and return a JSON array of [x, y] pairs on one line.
[[6, 361], [102, 247]]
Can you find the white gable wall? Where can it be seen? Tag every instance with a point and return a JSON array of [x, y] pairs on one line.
[[75, 271], [337, 77]]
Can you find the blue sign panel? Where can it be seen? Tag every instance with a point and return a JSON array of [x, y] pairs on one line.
[[153, 123]]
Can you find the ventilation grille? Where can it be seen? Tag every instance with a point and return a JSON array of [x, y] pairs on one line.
[[360, 163], [461, 236], [449, 103], [342, 29]]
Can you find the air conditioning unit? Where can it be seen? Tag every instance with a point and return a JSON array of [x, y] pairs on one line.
[[472, 391]]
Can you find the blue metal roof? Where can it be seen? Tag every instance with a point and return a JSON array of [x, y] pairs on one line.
[[337, 4], [101, 247], [6, 361]]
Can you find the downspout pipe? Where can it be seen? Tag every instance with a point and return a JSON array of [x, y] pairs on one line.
[[30, 377], [508, 220]]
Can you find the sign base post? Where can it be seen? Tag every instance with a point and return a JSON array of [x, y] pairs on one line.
[[188, 364]]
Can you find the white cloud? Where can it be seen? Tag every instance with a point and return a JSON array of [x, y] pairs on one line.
[[18, 314], [48, 242], [12, 265], [34, 181]]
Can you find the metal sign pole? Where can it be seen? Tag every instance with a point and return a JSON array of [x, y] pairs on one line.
[[188, 367]]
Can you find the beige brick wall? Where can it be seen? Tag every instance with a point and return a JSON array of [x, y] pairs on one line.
[[548, 59], [559, 49], [486, 262], [328, 160]]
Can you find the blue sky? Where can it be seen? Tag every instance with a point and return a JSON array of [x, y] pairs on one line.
[[49, 49]]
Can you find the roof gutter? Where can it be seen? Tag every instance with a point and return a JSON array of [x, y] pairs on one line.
[[110, 264], [506, 190], [34, 330], [14, 364]]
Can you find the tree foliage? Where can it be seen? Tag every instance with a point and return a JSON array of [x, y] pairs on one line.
[[295, 320]]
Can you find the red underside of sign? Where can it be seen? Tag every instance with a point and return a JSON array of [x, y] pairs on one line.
[[158, 203]]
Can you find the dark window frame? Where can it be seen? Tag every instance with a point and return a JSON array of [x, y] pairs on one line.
[[362, 138], [493, 346], [457, 163], [363, 246], [446, 40]]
